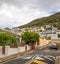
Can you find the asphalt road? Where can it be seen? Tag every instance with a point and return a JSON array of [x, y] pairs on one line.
[[40, 55]]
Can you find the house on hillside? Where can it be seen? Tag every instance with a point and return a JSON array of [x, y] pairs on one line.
[[53, 34]]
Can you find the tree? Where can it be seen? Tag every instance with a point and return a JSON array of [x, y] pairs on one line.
[[7, 39], [30, 37]]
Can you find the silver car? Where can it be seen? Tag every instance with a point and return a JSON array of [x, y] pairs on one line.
[[53, 46]]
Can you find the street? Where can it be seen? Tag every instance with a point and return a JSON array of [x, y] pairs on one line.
[[39, 55]]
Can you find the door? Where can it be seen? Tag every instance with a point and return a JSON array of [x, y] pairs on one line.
[[3, 49]]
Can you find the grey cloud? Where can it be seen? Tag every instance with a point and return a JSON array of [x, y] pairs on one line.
[[17, 3], [45, 5], [35, 9]]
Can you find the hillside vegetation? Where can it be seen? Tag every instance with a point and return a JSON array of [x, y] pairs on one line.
[[53, 20]]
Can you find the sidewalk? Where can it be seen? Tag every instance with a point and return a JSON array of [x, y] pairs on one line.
[[2, 56], [15, 56]]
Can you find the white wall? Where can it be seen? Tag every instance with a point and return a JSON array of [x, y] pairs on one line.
[[10, 51], [21, 49], [54, 36]]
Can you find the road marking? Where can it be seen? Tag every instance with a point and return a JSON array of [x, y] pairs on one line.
[[27, 57], [33, 57], [48, 58], [52, 57], [36, 62], [39, 58]]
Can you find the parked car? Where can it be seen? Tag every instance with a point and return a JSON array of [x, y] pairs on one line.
[[53, 46]]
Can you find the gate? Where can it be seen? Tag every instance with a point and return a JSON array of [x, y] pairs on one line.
[[3, 49]]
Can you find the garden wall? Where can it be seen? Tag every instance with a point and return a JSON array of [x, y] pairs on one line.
[[10, 51]]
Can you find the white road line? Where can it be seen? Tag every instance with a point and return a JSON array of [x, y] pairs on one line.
[[33, 57], [52, 57], [39, 58], [48, 58], [30, 60], [28, 57]]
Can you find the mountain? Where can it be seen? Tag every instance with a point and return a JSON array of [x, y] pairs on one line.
[[53, 20]]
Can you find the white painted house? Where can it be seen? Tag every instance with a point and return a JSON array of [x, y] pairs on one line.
[[51, 33]]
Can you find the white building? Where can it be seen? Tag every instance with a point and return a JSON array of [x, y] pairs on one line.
[[53, 34]]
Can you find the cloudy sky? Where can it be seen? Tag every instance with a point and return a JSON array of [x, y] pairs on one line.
[[18, 12]]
